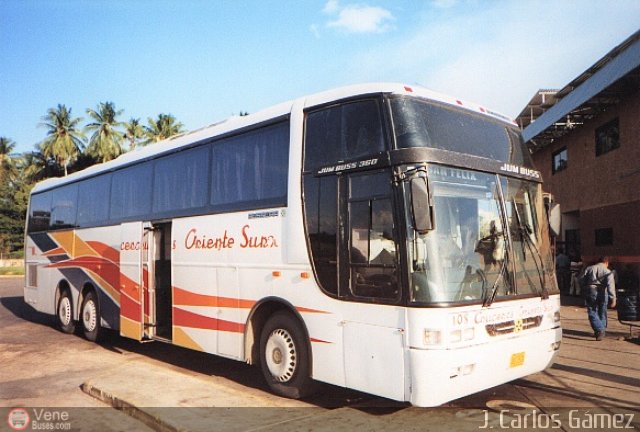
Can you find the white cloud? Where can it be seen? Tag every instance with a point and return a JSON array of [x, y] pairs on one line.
[[314, 29], [331, 7], [498, 56], [444, 4], [358, 18]]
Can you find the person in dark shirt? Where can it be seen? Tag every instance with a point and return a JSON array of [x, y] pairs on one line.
[[598, 284], [563, 272]]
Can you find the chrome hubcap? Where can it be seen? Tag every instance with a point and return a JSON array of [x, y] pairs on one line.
[[89, 316], [281, 355], [64, 310]]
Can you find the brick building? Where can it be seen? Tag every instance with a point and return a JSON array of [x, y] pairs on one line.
[[585, 140]]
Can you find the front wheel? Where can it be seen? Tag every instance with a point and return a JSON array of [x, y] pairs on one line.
[[284, 357], [64, 317], [90, 317]]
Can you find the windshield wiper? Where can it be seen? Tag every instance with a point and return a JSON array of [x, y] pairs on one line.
[[525, 231], [494, 289]]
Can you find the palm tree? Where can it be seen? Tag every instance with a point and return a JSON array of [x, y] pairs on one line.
[[7, 145], [106, 142], [8, 174], [164, 127], [7, 166], [133, 131], [34, 166], [64, 139]]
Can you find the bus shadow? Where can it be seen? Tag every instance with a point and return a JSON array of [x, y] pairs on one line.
[[567, 394], [327, 396], [17, 306], [606, 376], [576, 334], [587, 335]]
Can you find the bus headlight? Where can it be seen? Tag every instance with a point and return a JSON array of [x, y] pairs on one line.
[[432, 337], [460, 335], [469, 333], [554, 316]]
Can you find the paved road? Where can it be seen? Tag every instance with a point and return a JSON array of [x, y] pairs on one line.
[[43, 367]]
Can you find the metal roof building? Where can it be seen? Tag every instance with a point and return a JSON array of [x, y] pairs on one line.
[[585, 140], [552, 113]]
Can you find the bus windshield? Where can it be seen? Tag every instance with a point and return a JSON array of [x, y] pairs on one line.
[[469, 256], [421, 123]]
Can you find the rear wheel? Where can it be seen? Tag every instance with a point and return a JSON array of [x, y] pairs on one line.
[[284, 357], [90, 317], [64, 317]]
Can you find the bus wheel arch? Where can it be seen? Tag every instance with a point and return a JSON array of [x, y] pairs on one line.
[[90, 316], [65, 319], [277, 339]]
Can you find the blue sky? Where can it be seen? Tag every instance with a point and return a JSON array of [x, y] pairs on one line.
[[203, 61]]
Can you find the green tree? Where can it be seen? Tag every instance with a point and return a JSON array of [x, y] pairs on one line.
[[134, 132], [7, 166], [164, 127], [64, 139], [106, 141], [11, 216], [35, 166]]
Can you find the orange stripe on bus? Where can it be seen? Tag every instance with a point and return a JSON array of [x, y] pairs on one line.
[[187, 298], [129, 308], [54, 252], [307, 310], [185, 318], [105, 251], [65, 241]]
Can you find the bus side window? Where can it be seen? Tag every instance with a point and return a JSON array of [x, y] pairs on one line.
[[362, 130], [372, 248], [343, 132], [321, 220], [93, 201], [40, 212], [64, 204], [131, 192]]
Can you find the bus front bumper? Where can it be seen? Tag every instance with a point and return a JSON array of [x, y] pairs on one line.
[[442, 375]]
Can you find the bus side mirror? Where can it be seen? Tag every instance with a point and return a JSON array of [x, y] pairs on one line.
[[555, 218], [421, 207]]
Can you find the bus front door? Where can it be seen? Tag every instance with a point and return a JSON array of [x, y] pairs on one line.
[[158, 263], [374, 344]]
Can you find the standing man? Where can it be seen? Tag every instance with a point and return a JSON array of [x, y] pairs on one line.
[[563, 271], [598, 284]]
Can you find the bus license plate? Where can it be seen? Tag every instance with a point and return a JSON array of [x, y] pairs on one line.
[[517, 359]]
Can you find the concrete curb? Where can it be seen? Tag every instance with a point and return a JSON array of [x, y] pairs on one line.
[[154, 422]]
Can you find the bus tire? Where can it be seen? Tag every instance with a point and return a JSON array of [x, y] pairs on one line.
[[90, 317], [284, 357], [64, 313]]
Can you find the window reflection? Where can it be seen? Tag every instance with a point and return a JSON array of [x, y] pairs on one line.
[[470, 254], [520, 198], [373, 250], [462, 258]]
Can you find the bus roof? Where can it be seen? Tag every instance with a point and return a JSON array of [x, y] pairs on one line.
[[239, 122]]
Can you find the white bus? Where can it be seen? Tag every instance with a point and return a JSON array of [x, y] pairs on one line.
[[379, 237]]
